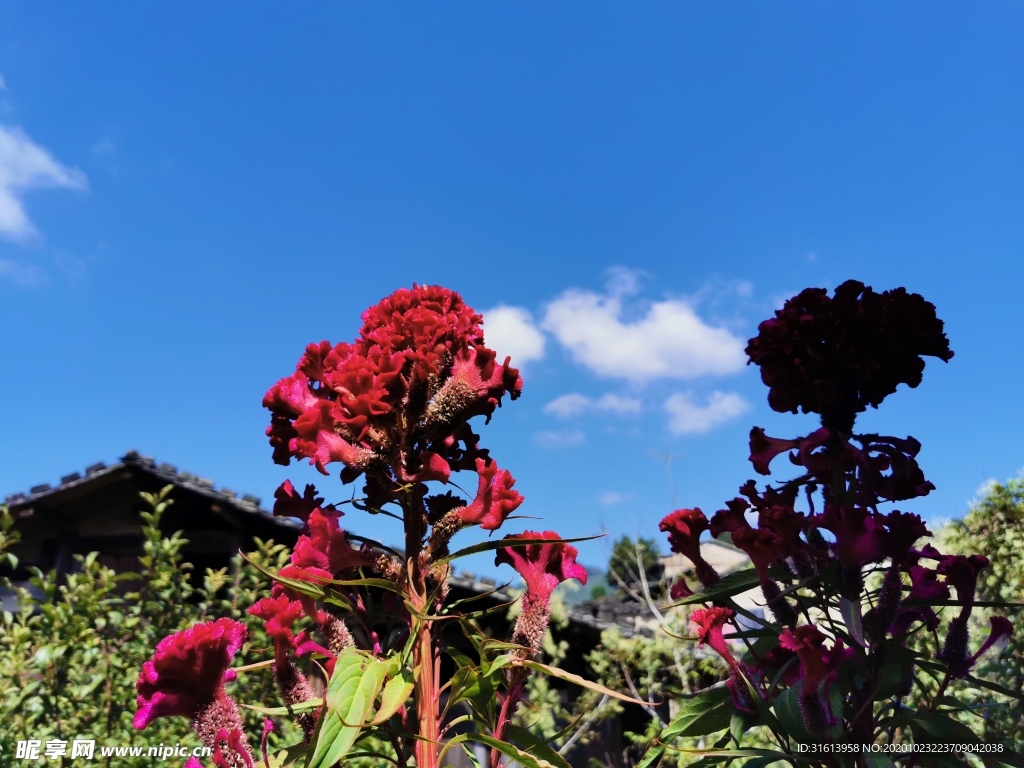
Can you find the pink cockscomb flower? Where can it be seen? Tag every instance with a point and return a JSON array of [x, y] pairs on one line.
[[186, 676], [544, 564]]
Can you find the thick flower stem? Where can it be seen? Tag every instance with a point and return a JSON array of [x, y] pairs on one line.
[[427, 698], [424, 655]]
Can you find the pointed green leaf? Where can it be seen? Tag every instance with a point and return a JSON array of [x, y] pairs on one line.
[[583, 683], [728, 586], [351, 691], [710, 712]]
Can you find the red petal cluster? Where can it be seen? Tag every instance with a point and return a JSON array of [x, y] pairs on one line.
[[326, 546], [397, 397]]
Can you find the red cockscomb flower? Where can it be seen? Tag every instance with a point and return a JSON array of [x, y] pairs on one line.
[[495, 500], [543, 565]]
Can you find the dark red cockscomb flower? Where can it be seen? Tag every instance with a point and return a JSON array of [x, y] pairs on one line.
[[186, 676], [904, 529], [861, 535], [684, 528], [817, 665], [837, 355], [543, 564], [764, 449], [710, 625], [288, 502], [731, 519]]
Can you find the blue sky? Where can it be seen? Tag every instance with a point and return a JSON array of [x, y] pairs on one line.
[[189, 195]]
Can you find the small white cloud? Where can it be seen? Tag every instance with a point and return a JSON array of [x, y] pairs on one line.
[[611, 498], [744, 289], [574, 404], [24, 166], [568, 438], [812, 255], [670, 341], [567, 406], [23, 275], [687, 417], [511, 331]]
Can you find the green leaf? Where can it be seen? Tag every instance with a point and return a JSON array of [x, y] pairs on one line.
[[710, 712], [652, 757], [583, 683], [488, 546], [524, 759], [352, 689], [728, 586], [535, 746], [852, 618], [395, 694], [294, 709], [787, 710]]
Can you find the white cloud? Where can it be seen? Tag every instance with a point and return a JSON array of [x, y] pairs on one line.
[[24, 166], [611, 498], [574, 404], [670, 341], [511, 331], [687, 417], [568, 438]]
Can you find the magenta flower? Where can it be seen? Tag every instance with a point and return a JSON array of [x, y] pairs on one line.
[[279, 614], [684, 528], [543, 565], [837, 355], [817, 665], [186, 676]]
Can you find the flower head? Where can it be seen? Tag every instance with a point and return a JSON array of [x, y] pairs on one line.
[[288, 502], [709, 624], [419, 360], [495, 500], [188, 671], [543, 565], [326, 547], [837, 355]]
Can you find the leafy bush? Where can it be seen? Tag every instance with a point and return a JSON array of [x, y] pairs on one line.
[[70, 656]]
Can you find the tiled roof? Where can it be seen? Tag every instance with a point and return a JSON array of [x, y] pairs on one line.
[[169, 473]]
